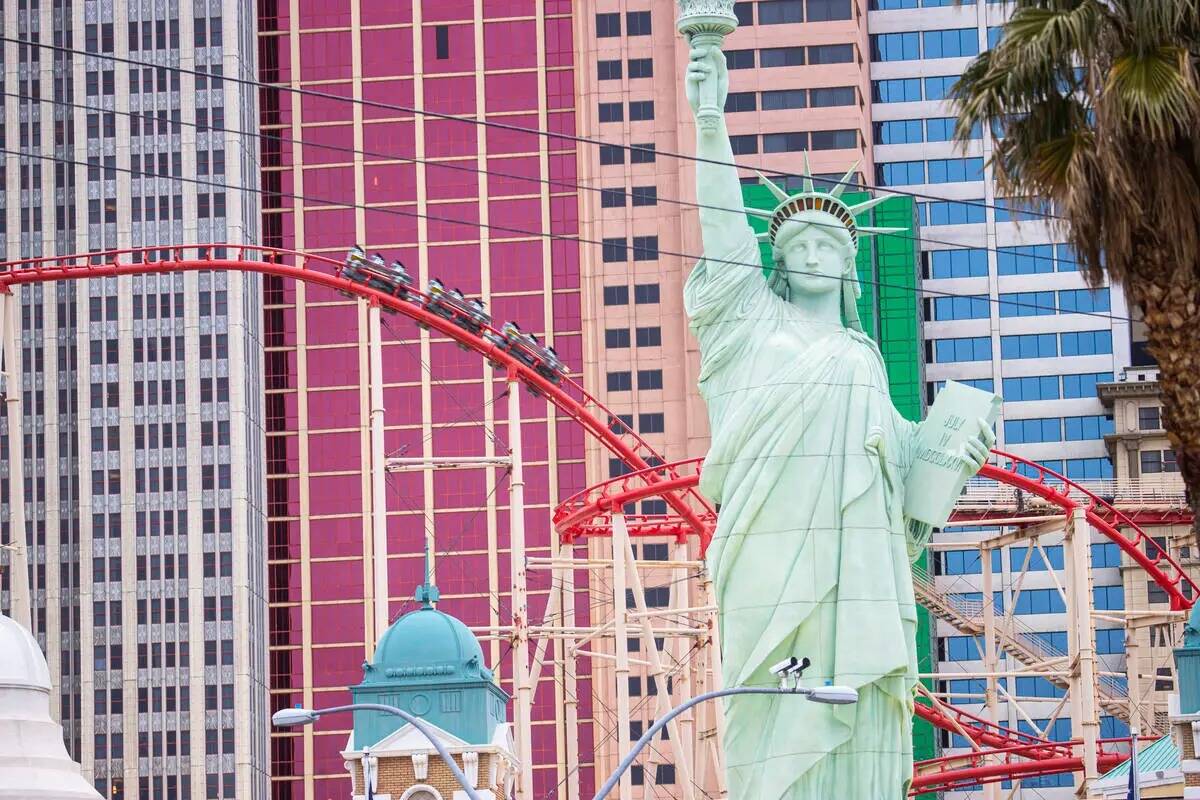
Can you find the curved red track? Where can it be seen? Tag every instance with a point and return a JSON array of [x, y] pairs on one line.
[[1011, 754]]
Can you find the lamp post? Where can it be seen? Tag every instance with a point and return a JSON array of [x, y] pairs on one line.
[[304, 716], [830, 695]]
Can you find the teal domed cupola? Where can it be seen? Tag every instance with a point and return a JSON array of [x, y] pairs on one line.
[[429, 664]]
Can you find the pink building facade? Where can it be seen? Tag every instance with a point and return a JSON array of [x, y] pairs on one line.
[[418, 192]]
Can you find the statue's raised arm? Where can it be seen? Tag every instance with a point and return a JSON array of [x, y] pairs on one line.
[[721, 219]]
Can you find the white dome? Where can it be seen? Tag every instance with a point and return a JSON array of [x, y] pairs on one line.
[[21, 660], [34, 764]]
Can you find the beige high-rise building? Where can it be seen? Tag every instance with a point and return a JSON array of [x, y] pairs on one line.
[[799, 82], [142, 395], [1145, 470]]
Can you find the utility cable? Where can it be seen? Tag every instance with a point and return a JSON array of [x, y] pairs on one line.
[[462, 167], [551, 235], [474, 121]]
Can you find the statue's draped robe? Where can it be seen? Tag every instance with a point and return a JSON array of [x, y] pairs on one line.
[[811, 556]]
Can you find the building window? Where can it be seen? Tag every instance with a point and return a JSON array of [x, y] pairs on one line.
[[782, 57], [637, 23], [615, 338], [744, 144], [955, 170], [615, 250], [649, 337], [651, 423], [1087, 343], [964, 307], [609, 70], [611, 154], [828, 10], [740, 59], [954, 43], [834, 140], [780, 12], [1030, 345], [970, 348], [645, 195], [785, 142], [616, 295], [645, 293], [830, 53], [641, 110], [938, 87], [833, 96], [744, 13], [620, 381], [899, 131], [905, 46], [896, 90], [442, 42], [741, 101], [641, 153], [650, 379], [1026, 304], [645, 248], [1149, 418], [608, 25], [612, 112], [1084, 428], [664, 774], [900, 173], [779, 99], [1155, 462], [641, 68], [1083, 301], [612, 198]]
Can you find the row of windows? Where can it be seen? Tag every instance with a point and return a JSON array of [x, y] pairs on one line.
[[914, 45], [1029, 345], [796, 56], [967, 562], [914, 131], [1109, 641], [612, 70], [1019, 260], [952, 212], [617, 338], [637, 23], [1057, 429], [795, 142], [939, 170], [638, 153], [616, 249], [911, 90], [619, 198], [622, 381], [643, 294], [783, 99], [784, 12], [639, 111], [1053, 387], [1064, 301], [1154, 462]]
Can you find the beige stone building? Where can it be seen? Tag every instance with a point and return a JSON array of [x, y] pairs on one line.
[[1147, 483]]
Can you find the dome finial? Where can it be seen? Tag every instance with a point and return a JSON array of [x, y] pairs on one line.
[[427, 593]]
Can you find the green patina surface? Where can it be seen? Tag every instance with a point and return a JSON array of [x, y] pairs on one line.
[[888, 269]]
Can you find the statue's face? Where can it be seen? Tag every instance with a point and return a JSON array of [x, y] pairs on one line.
[[818, 257]]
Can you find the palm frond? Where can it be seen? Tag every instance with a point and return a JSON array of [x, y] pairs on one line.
[[1154, 89]]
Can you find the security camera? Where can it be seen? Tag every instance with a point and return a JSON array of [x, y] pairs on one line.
[[785, 667]]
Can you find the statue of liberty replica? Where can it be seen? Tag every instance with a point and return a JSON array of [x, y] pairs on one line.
[[812, 551]]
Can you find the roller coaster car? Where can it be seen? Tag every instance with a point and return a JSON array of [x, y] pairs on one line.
[[525, 348], [353, 267]]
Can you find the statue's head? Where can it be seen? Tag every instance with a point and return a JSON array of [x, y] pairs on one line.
[[814, 242]]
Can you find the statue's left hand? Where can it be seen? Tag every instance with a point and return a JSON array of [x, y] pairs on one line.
[[975, 451]]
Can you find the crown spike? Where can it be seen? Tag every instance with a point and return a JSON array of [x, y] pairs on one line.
[[776, 190], [808, 181], [869, 203], [759, 212], [869, 231], [837, 190]]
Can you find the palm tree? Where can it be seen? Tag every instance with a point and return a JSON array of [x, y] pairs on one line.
[[1100, 109]]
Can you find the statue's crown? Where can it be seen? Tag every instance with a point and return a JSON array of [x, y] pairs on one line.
[[809, 199]]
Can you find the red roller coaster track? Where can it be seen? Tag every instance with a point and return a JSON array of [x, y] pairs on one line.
[[1008, 753]]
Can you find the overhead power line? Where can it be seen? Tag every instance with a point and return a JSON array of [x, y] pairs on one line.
[[484, 122], [540, 234], [463, 167]]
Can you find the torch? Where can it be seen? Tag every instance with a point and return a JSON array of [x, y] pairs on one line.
[[706, 23]]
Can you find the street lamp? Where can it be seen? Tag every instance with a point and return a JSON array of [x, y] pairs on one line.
[[830, 695], [285, 717]]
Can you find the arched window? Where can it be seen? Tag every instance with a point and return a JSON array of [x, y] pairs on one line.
[[421, 793]]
